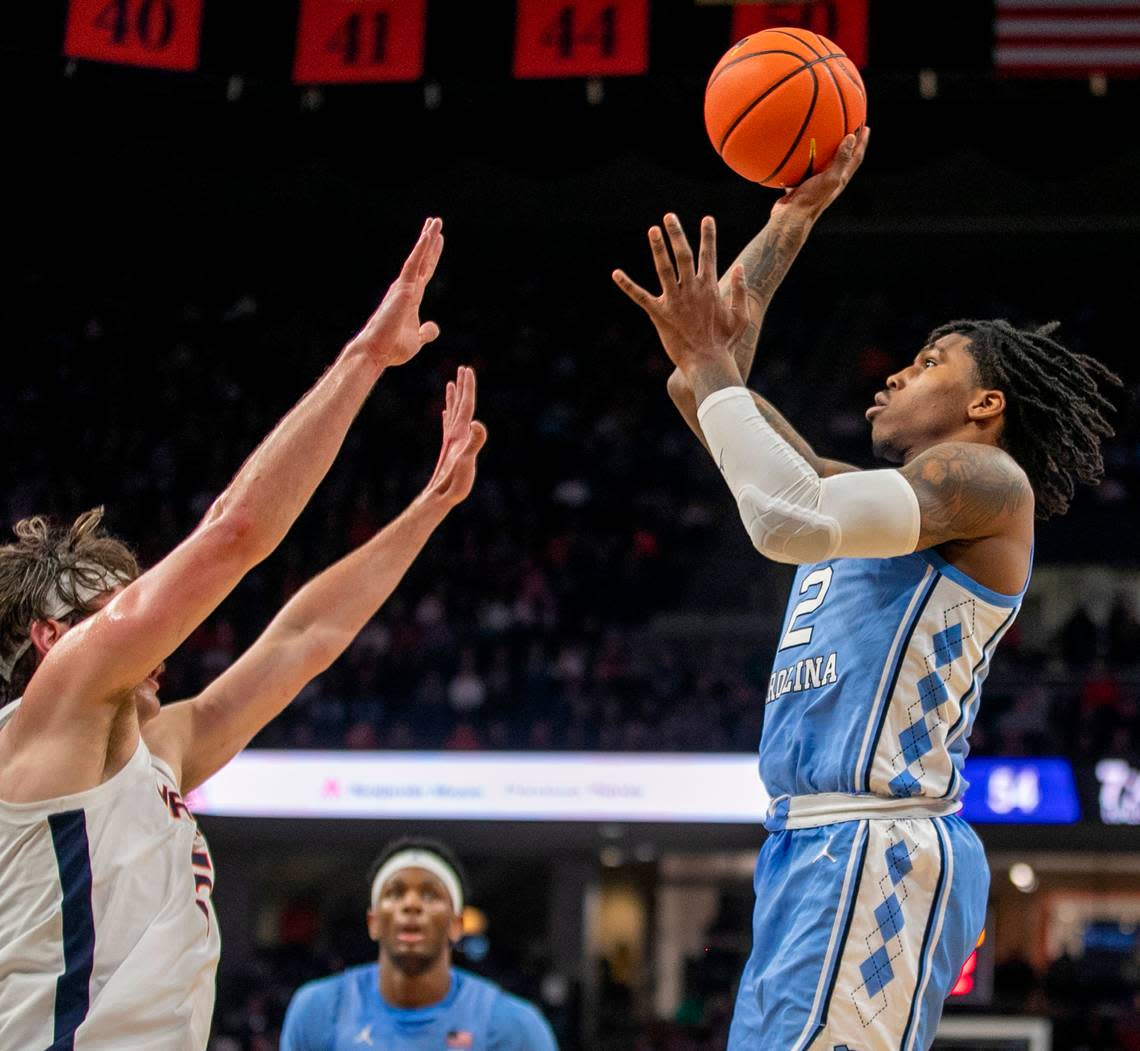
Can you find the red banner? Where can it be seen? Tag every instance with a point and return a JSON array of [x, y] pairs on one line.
[[341, 41], [581, 38], [159, 33], [841, 21]]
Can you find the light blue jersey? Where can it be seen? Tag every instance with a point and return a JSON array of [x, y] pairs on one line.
[[870, 892], [877, 677], [345, 1013]]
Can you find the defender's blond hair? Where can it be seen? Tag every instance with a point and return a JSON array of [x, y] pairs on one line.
[[53, 571]]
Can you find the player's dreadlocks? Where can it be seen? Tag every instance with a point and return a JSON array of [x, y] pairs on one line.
[[1055, 413]]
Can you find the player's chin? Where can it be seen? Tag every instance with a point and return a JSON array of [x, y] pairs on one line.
[[146, 700], [413, 959], [882, 446]]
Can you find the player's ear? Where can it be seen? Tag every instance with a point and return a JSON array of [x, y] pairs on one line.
[[455, 929], [46, 633], [373, 924], [986, 405]]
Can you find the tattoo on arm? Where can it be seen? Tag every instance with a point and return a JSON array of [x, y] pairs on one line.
[[965, 491], [766, 260]]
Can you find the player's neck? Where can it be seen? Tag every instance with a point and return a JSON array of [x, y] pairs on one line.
[[968, 433], [398, 989]]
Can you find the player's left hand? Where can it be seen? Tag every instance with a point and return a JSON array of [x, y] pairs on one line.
[[692, 318], [463, 437]]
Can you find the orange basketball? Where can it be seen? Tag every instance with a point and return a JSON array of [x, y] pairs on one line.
[[779, 103]]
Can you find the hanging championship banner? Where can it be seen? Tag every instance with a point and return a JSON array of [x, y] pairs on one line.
[[841, 21], [357, 41], [581, 38], [163, 34]]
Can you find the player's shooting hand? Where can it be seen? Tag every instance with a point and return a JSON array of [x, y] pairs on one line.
[[692, 318], [394, 334], [463, 437], [813, 196]]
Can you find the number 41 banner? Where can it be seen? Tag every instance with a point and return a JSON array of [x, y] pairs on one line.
[[340, 41], [581, 38], [159, 33]]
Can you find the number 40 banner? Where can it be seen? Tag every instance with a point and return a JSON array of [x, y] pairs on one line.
[[163, 34], [581, 38], [341, 41]]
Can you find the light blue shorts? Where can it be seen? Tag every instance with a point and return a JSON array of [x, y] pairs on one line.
[[860, 931]]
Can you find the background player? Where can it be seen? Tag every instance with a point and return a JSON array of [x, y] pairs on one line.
[[107, 935], [412, 998], [870, 892]]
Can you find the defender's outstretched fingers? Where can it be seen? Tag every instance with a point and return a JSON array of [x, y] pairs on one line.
[[410, 271], [706, 260], [661, 261], [681, 248], [465, 407], [431, 257], [449, 405], [635, 292]]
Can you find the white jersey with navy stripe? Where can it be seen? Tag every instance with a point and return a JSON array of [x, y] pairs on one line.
[[877, 678], [108, 938]]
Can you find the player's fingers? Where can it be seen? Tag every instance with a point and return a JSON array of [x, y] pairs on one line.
[[431, 258], [738, 297], [456, 400], [429, 331], [680, 243], [661, 261], [449, 405], [411, 268], [465, 407], [706, 260], [635, 292]]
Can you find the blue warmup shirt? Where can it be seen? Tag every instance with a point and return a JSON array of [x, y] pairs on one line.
[[345, 1013]]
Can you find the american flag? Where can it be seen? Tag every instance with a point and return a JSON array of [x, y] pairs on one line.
[[1067, 37]]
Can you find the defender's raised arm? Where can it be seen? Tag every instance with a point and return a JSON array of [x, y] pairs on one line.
[[199, 736], [87, 668]]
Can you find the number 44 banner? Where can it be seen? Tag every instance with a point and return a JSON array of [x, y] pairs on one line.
[[341, 41], [581, 38], [162, 34]]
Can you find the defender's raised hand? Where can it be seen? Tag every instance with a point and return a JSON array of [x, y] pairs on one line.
[[394, 333], [463, 437], [694, 321]]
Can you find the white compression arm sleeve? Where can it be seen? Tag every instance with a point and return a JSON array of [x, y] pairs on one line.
[[793, 515]]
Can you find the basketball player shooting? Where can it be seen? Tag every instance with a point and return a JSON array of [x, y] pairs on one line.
[[108, 940], [870, 891]]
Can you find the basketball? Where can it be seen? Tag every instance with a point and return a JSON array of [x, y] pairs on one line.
[[779, 103]]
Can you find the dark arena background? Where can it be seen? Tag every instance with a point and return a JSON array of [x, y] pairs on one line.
[[569, 685]]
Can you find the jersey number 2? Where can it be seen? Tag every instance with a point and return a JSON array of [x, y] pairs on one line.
[[799, 636]]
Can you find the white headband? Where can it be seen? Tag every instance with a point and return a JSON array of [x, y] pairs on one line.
[[56, 607], [414, 858]]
